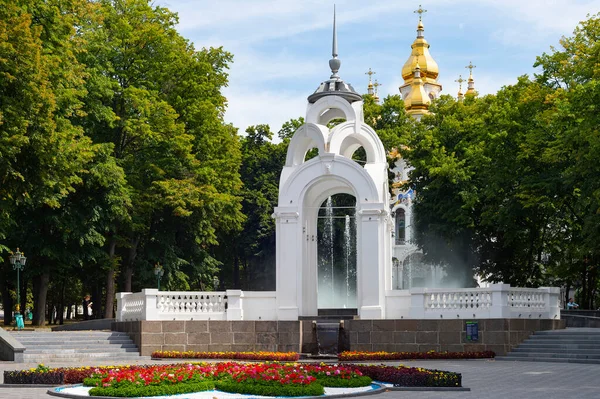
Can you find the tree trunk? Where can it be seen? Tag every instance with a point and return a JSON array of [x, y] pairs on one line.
[[236, 272], [23, 294], [110, 280], [128, 274], [61, 305], [8, 305], [40, 292]]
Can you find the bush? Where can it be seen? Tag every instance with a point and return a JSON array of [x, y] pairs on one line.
[[132, 390], [269, 356], [356, 356], [412, 376], [336, 382], [266, 389], [33, 377]]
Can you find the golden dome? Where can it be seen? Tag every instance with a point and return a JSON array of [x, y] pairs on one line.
[[420, 53], [417, 100]]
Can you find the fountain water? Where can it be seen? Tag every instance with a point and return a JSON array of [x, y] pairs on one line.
[[347, 251], [337, 249]]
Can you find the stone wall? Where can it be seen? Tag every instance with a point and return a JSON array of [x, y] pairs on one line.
[[498, 335], [212, 335]]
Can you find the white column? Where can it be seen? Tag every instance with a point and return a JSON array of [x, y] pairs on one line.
[[500, 308], [120, 304], [289, 262], [371, 274], [150, 310], [417, 303], [552, 299], [234, 305]]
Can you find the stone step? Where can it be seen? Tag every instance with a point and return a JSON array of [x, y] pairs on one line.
[[520, 349], [75, 342], [65, 334], [554, 355], [546, 359], [570, 331], [561, 341], [535, 345], [543, 337], [74, 346], [64, 358], [30, 351]]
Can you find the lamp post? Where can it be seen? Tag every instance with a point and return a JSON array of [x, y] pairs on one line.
[[158, 272], [18, 260]]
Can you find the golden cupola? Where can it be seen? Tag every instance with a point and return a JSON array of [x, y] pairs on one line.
[[471, 81], [418, 101], [420, 51], [420, 59]]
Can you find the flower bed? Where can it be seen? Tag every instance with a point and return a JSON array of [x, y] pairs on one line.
[[270, 379], [57, 376], [360, 356], [267, 356], [411, 376]]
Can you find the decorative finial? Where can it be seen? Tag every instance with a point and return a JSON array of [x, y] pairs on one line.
[[376, 86], [420, 11], [334, 62], [460, 81], [370, 85], [376, 94], [370, 73], [470, 68]]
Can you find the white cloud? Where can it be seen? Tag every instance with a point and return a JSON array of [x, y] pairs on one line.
[[277, 63], [248, 108]]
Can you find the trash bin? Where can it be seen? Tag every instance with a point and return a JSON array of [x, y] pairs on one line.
[[19, 320]]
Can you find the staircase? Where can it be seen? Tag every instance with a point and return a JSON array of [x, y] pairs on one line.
[[76, 346], [572, 345]]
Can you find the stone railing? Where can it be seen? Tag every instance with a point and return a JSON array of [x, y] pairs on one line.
[[151, 304], [496, 301]]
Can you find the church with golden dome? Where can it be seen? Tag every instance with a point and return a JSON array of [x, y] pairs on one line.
[[420, 74], [420, 88]]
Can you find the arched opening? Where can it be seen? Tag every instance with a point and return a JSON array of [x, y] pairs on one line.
[[400, 230], [311, 153], [336, 253]]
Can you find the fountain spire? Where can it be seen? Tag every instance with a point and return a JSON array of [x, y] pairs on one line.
[[335, 85], [334, 62]]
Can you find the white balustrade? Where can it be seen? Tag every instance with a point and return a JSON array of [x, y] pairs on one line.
[[495, 301], [151, 304]]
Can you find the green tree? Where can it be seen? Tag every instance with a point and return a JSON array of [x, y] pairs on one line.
[[158, 101]]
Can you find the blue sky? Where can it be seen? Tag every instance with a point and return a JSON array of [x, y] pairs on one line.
[[281, 48]]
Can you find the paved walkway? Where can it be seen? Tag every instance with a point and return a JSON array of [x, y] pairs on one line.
[[486, 378]]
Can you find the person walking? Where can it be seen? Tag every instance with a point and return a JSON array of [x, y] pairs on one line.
[[87, 307]]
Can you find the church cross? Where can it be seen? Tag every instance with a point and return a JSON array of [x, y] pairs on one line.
[[470, 67], [370, 73], [420, 11], [376, 85], [460, 81]]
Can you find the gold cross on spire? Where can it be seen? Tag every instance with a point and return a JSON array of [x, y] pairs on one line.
[[370, 73], [376, 85], [470, 67], [460, 81], [420, 11]]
